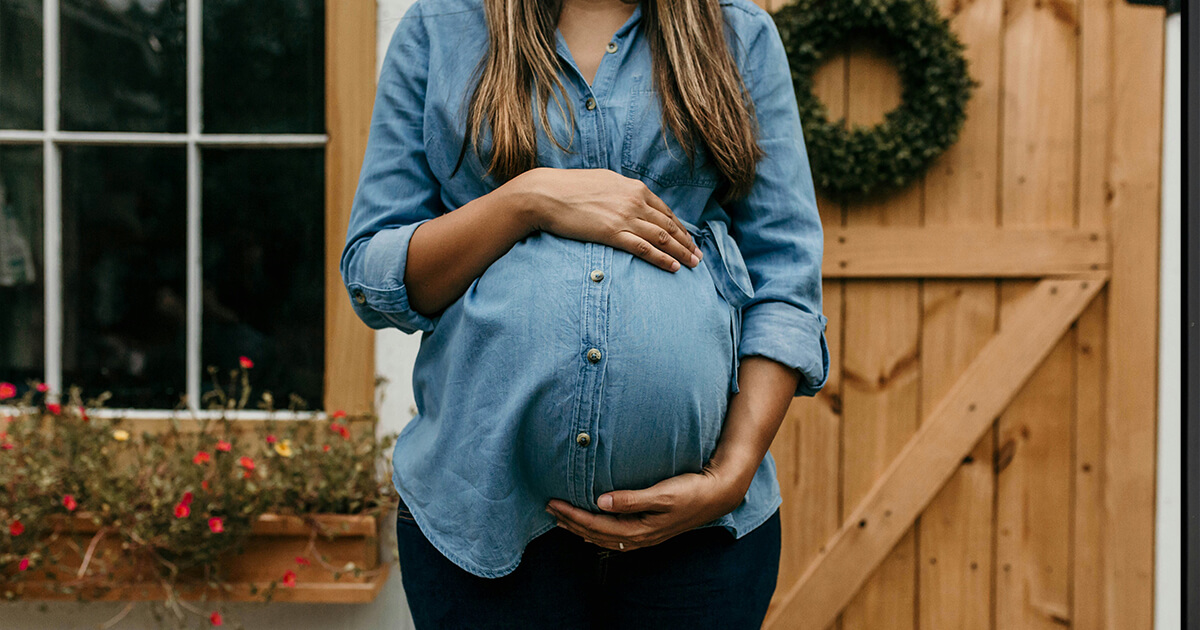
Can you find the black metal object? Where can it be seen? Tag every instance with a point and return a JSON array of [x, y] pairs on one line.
[[1172, 6]]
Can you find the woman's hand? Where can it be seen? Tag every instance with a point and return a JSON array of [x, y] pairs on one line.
[[641, 518], [602, 206]]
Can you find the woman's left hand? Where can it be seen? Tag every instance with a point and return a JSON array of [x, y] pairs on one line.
[[641, 518]]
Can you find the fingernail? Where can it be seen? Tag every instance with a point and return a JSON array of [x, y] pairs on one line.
[[674, 265], [605, 502], [695, 260]]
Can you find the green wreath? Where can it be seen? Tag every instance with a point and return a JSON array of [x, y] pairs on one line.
[[933, 72]]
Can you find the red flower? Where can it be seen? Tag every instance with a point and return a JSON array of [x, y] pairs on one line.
[[69, 503], [16, 528], [340, 430], [23, 564], [182, 510], [7, 390], [270, 439], [302, 561], [83, 414], [216, 525], [54, 408], [224, 446], [43, 387], [246, 362], [186, 499], [204, 484], [215, 619], [8, 446], [246, 463], [289, 578], [201, 457], [339, 414], [325, 448]]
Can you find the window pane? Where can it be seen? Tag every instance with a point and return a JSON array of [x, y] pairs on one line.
[[21, 270], [264, 283], [124, 65], [124, 273], [264, 66], [20, 64]]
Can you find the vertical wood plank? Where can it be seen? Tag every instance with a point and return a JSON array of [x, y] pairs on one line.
[[1131, 410], [956, 530], [1095, 91], [881, 374], [807, 447], [1034, 482], [349, 97], [806, 457], [1087, 599]]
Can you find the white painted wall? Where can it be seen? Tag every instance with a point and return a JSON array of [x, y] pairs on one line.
[[1168, 535]]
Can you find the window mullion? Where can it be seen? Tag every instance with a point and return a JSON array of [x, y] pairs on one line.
[[194, 246], [52, 199]]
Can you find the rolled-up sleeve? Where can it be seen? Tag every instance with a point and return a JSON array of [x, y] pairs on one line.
[[777, 226], [396, 189]]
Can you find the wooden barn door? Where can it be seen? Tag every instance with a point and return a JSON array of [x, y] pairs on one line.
[[983, 455]]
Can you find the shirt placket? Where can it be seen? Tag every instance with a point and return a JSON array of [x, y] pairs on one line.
[[596, 274]]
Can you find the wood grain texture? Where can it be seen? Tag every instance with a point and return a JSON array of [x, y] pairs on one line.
[[959, 317], [1034, 462], [884, 516], [349, 97], [881, 366], [1131, 407], [806, 455], [1056, 172], [807, 449], [962, 252], [1095, 92]]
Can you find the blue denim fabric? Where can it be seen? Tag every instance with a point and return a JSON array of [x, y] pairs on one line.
[[696, 580], [559, 337]]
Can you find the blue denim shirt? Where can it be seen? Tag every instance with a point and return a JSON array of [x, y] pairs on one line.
[[570, 368]]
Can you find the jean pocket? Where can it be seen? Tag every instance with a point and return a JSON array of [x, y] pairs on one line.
[[403, 514]]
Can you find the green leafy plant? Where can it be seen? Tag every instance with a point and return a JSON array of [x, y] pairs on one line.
[[183, 496], [854, 163]]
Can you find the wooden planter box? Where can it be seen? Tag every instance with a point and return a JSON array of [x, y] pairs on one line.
[[270, 551]]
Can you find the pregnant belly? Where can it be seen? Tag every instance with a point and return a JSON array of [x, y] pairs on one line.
[[652, 406]]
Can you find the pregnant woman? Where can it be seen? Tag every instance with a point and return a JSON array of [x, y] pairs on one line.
[[600, 217]]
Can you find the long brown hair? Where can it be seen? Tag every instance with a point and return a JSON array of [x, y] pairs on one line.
[[702, 94]]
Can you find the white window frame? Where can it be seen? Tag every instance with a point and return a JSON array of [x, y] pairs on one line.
[[52, 139]]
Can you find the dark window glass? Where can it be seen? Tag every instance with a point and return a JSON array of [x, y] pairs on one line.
[[21, 270], [124, 65], [264, 66], [124, 273], [264, 283], [20, 64]]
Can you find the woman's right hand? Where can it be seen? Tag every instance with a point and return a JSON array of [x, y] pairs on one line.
[[600, 205]]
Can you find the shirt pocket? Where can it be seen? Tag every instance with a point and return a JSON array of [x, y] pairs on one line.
[[650, 150]]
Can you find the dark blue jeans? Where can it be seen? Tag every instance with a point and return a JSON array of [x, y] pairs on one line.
[[702, 578]]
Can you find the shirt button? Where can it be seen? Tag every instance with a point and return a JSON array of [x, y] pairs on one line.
[[593, 355], [591, 103], [359, 297], [612, 47], [597, 275], [583, 439]]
